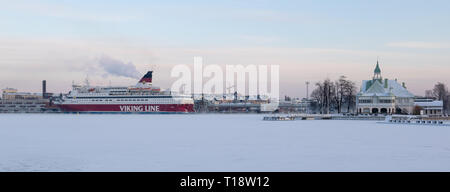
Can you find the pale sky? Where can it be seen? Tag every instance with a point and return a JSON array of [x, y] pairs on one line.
[[63, 41]]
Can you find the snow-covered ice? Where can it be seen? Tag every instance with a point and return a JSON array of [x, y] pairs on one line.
[[68, 142]]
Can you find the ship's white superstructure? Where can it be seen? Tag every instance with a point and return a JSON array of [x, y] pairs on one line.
[[144, 97]]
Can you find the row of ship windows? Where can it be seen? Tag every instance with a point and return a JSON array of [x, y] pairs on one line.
[[119, 99], [23, 106]]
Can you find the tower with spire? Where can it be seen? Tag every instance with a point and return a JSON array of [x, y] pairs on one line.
[[377, 73], [378, 96]]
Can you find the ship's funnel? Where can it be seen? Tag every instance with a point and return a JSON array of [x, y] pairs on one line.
[[147, 78]]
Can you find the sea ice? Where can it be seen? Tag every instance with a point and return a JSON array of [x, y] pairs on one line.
[[215, 142]]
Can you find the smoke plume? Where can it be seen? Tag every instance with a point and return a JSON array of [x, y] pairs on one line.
[[118, 68]]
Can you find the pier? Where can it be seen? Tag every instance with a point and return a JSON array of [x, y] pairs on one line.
[[405, 119]]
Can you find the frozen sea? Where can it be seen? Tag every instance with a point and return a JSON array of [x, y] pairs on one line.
[[68, 142]]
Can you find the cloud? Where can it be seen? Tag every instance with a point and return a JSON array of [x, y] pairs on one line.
[[419, 45], [118, 68]]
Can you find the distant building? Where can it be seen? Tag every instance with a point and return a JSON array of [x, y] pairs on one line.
[[295, 105], [229, 103], [21, 102], [378, 96], [12, 94], [429, 106]]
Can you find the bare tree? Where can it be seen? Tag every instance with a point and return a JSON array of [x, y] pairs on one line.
[[316, 95], [333, 96], [429, 93], [350, 94], [325, 95], [340, 92], [346, 93], [440, 92], [329, 90], [448, 104]]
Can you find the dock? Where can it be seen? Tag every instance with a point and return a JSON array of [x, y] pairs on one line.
[[283, 117], [382, 119]]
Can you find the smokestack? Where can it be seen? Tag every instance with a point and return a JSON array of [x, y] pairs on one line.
[[386, 83], [44, 89], [147, 77]]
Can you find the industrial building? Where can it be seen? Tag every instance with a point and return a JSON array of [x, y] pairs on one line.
[[235, 103], [21, 102], [14, 101]]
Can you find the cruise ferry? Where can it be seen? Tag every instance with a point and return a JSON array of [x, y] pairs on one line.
[[141, 98]]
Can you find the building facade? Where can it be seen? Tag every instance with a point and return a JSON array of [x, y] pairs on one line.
[[20, 102], [384, 96], [429, 106]]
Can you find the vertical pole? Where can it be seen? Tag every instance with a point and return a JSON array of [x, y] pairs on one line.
[[307, 90], [44, 89]]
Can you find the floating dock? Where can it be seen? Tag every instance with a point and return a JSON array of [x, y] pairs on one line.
[[414, 120]]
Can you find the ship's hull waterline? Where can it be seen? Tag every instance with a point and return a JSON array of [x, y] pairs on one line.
[[127, 108]]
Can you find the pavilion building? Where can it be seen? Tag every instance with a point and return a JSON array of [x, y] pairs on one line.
[[383, 96]]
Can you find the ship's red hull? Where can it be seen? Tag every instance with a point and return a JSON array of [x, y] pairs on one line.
[[128, 108]]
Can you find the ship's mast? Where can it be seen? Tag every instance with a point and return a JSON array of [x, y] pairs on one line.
[[86, 81]]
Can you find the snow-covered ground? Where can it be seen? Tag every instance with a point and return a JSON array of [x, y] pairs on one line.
[[64, 142]]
